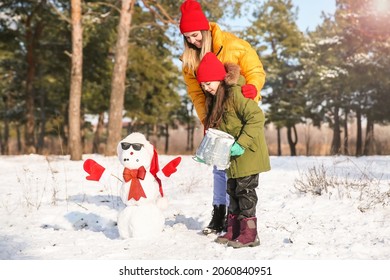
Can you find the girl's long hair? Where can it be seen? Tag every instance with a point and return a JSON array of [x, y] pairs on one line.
[[215, 106], [192, 55]]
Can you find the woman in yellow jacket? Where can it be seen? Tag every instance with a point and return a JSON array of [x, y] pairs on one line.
[[201, 37]]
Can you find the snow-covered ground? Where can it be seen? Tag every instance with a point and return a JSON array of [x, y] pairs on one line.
[[49, 211]]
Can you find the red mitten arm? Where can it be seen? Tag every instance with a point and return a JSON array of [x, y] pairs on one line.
[[94, 169], [249, 91], [170, 167]]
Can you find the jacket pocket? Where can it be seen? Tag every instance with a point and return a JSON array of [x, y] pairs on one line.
[[255, 145]]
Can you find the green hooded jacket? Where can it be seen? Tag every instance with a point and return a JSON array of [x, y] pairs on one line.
[[244, 120]]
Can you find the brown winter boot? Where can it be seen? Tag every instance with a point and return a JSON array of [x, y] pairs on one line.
[[233, 230], [248, 234]]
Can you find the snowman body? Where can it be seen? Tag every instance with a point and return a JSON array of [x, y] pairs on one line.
[[141, 221], [142, 215]]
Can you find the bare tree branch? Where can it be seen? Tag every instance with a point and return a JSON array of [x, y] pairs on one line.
[[114, 7], [165, 17], [59, 13]]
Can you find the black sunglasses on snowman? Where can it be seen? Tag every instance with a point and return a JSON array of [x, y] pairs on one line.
[[136, 146]]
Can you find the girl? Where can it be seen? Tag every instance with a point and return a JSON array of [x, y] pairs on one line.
[[201, 37], [228, 110]]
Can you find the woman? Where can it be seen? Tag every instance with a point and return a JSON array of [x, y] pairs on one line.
[[201, 37], [229, 111]]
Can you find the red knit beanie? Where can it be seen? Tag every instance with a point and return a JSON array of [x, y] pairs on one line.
[[192, 17], [210, 69]]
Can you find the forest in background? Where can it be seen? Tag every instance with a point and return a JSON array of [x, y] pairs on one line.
[[61, 61]]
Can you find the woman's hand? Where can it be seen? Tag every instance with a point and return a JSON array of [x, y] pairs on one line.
[[249, 91]]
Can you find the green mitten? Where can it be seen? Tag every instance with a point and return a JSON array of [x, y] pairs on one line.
[[236, 150]]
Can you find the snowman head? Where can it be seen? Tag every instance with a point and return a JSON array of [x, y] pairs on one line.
[[135, 151]]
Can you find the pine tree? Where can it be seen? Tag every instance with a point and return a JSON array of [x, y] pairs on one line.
[[276, 36]]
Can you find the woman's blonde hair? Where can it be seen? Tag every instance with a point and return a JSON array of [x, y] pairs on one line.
[[192, 55]]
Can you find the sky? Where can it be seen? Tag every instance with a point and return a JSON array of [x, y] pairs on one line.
[[309, 15], [49, 211]]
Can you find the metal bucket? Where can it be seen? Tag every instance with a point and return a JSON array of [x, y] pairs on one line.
[[215, 149]]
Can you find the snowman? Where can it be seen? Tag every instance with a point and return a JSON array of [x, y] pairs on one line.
[[141, 188]]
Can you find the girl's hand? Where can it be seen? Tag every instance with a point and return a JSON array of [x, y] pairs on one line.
[[236, 150]]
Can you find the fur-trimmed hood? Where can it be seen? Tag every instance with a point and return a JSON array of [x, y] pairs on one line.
[[232, 73]]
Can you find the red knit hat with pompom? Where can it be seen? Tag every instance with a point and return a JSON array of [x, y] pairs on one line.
[[192, 17], [210, 69]]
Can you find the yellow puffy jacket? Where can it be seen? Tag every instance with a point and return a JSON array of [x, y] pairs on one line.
[[229, 49]]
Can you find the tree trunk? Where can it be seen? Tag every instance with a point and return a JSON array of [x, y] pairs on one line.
[[291, 142], [75, 147], [369, 143], [336, 142], [166, 149], [1, 142], [34, 27], [308, 138], [279, 141], [98, 133], [5, 143], [346, 148], [119, 78], [188, 135], [192, 132], [42, 124], [30, 108], [18, 138], [5, 139], [190, 129], [359, 134]]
